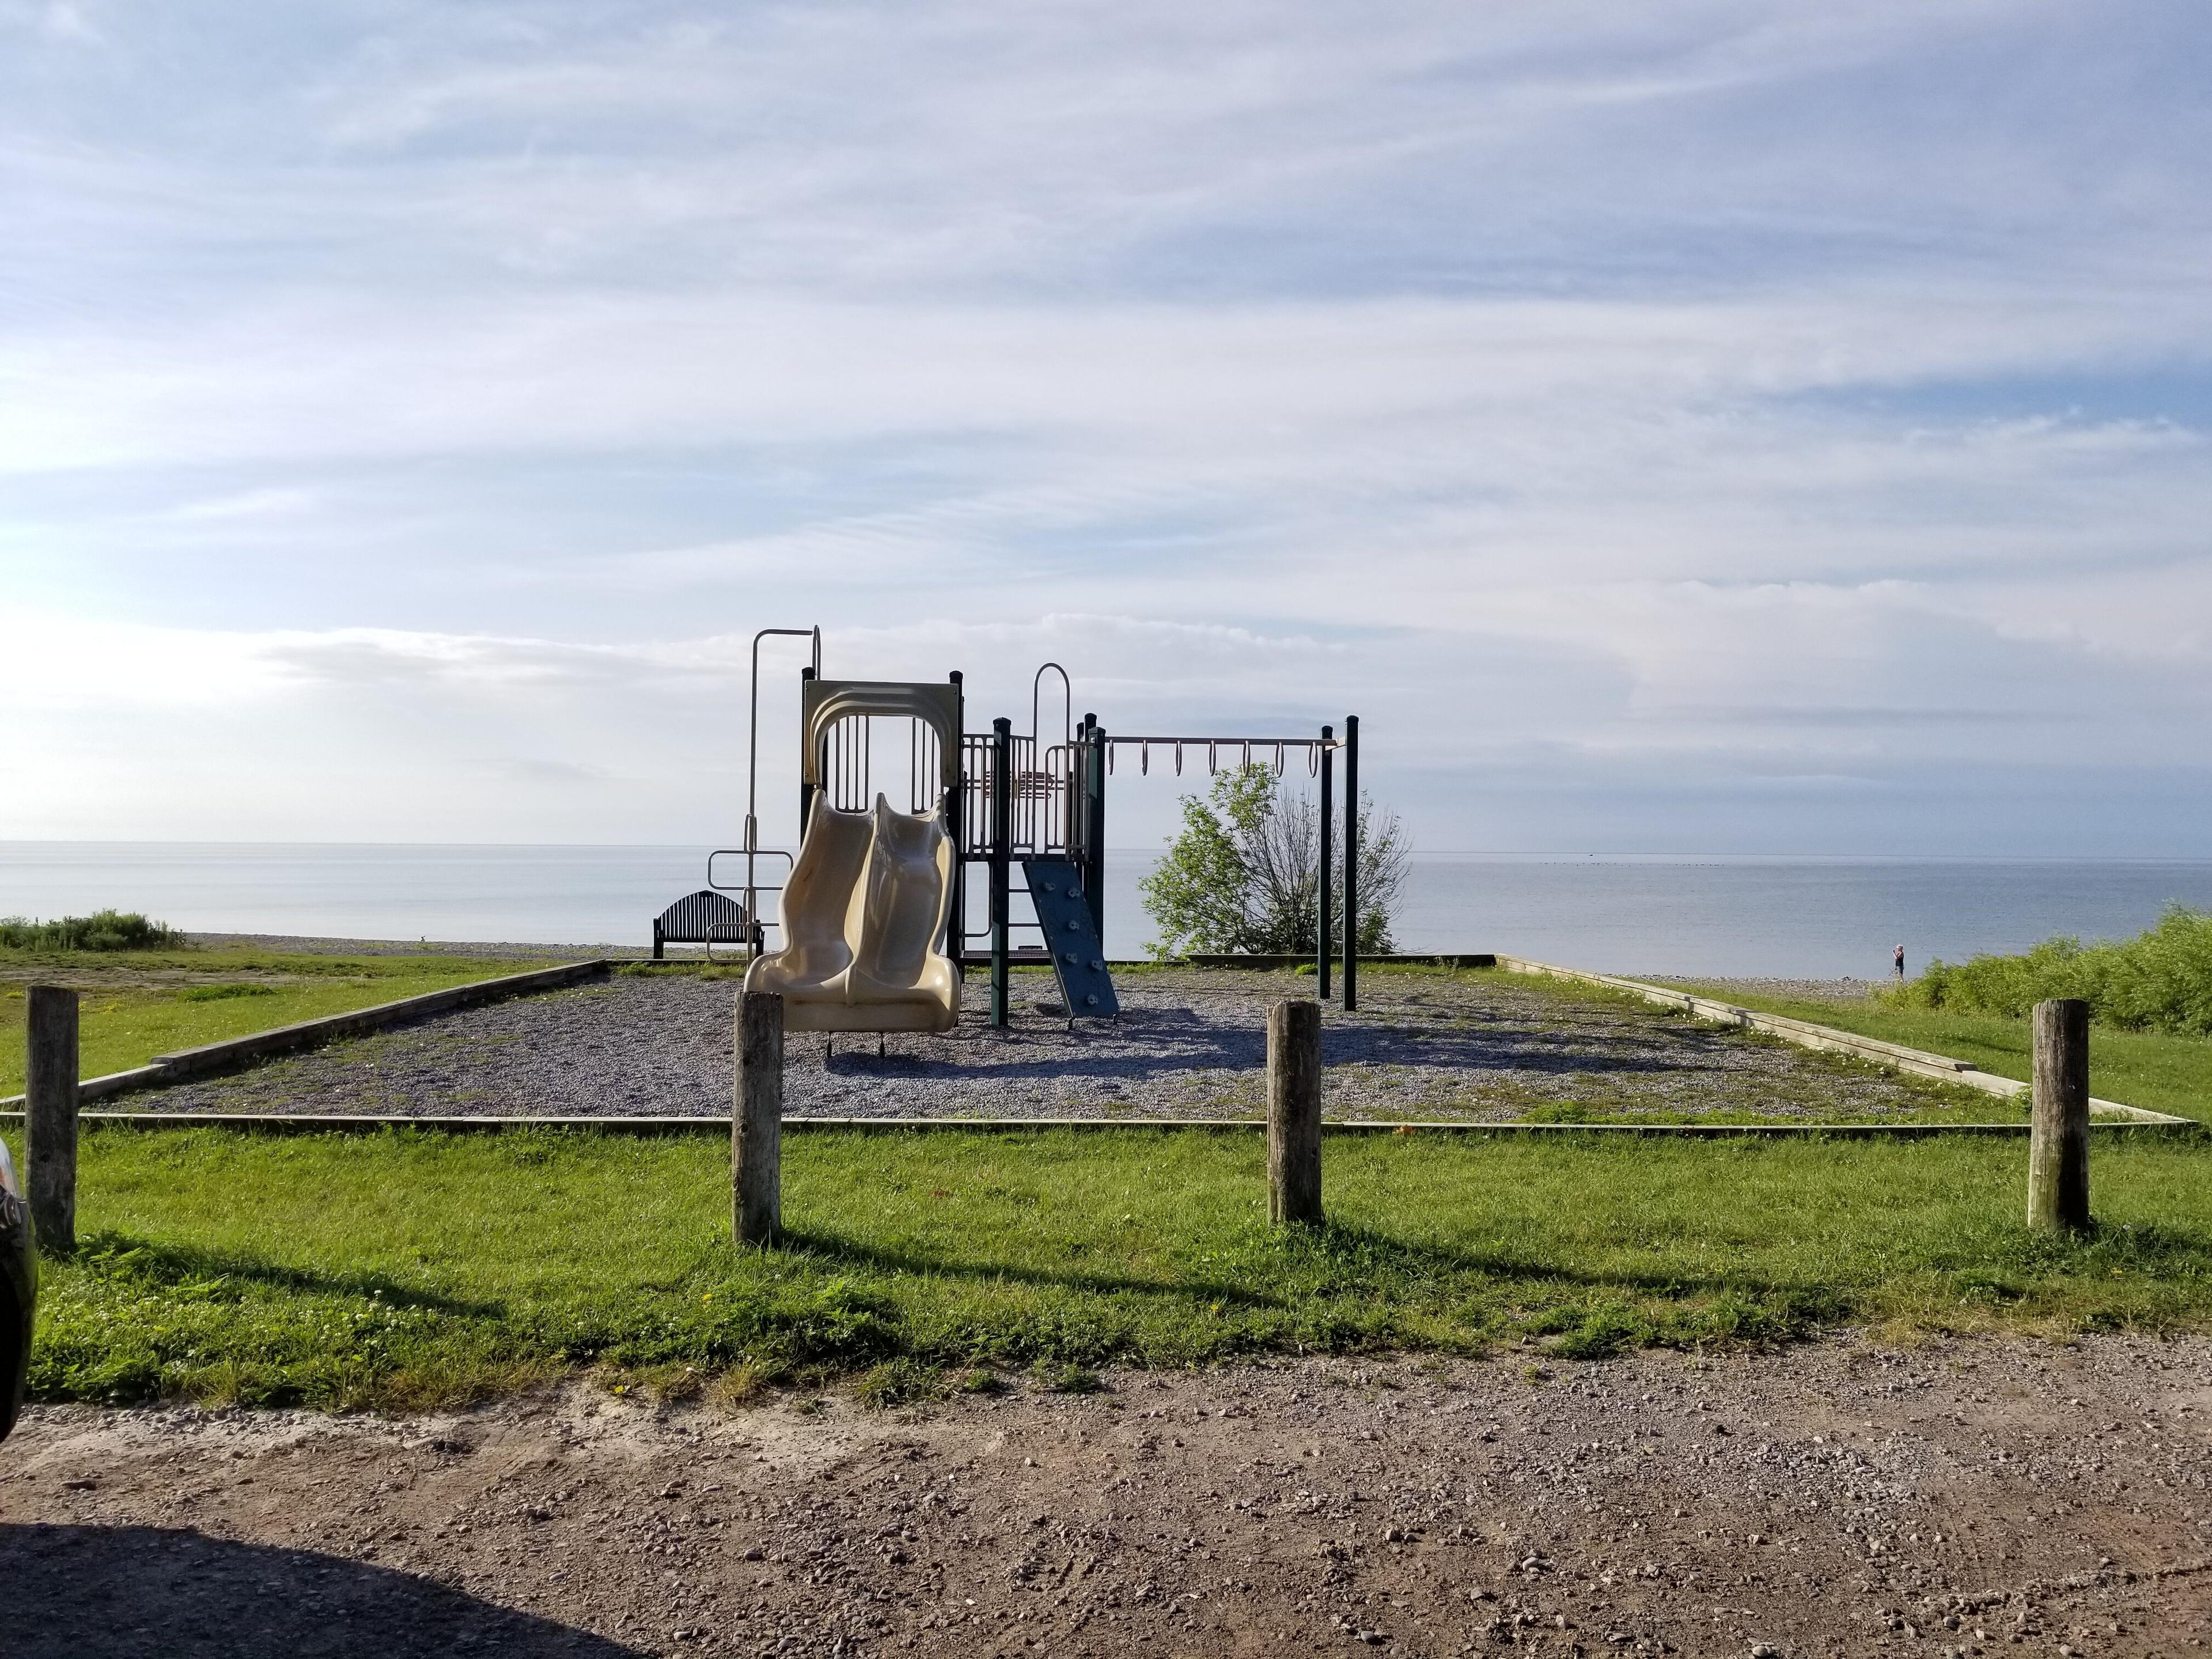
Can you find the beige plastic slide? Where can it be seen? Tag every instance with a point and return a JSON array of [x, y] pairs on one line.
[[863, 914]]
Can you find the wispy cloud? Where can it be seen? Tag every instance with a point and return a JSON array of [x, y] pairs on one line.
[[1705, 391]]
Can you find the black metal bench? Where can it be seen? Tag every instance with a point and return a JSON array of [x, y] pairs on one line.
[[705, 917]]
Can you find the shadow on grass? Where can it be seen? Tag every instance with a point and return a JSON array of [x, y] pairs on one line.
[[838, 1248], [1334, 1259], [2104, 1248], [159, 1264], [1343, 1288]]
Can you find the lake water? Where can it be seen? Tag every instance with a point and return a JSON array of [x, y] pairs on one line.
[[1783, 916]]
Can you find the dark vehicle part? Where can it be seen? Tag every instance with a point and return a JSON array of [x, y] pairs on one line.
[[19, 1292]]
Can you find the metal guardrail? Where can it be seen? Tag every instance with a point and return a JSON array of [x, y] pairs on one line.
[[849, 781], [1045, 792], [1047, 782]]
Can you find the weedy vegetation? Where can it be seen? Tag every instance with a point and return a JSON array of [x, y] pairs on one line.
[[2159, 981], [102, 931]]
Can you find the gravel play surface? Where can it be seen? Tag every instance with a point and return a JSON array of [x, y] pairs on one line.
[[1472, 1047]]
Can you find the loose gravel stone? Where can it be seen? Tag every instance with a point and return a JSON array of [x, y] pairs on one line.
[[1840, 1498], [1477, 1048], [1818, 990]]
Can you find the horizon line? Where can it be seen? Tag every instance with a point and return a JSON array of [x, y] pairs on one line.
[[1577, 853]]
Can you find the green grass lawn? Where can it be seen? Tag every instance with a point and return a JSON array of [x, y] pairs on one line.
[[412, 1268], [2137, 1068], [149, 1003]]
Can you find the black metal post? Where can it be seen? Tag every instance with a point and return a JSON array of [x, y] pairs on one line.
[[1002, 839], [1350, 862], [956, 913], [1323, 938], [806, 790], [1094, 827]]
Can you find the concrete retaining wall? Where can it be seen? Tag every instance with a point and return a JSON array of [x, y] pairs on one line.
[[1807, 1035]]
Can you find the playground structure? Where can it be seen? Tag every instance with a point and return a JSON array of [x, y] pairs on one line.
[[872, 915]]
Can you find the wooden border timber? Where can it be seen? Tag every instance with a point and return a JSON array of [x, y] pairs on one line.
[[299, 1123], [308, 1033], [1806, 1034], [2106, 1114]]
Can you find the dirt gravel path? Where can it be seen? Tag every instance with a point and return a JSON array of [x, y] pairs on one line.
[[1841, 1499], [1484, 1047]]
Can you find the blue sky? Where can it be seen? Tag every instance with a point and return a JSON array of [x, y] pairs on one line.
[[1698, 426]]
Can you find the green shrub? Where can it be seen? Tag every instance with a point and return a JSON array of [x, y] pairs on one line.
[[2160, 980], [103, 930], [1243, 876]]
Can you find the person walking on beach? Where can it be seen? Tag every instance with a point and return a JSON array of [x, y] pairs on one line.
[[1900, 963]]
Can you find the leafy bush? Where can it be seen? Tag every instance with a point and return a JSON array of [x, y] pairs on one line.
[[103, 930], [1244, 875], [2160, 980]]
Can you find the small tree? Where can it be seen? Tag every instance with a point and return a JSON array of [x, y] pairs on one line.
[[1243, 876]]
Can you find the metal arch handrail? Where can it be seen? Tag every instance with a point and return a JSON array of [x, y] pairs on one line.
[[752, 847], [1067, 710], [752, 735]]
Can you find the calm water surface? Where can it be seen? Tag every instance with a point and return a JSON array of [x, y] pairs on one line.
[[1785, 916]]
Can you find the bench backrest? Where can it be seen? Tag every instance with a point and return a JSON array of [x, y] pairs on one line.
[[705, 917]]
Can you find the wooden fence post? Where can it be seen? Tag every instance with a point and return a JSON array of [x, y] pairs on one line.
[[50, 1116], [1294, 1112], [2059, 1139], [757, 1128]]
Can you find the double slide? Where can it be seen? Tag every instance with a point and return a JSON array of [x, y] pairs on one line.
[[863, 917]]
